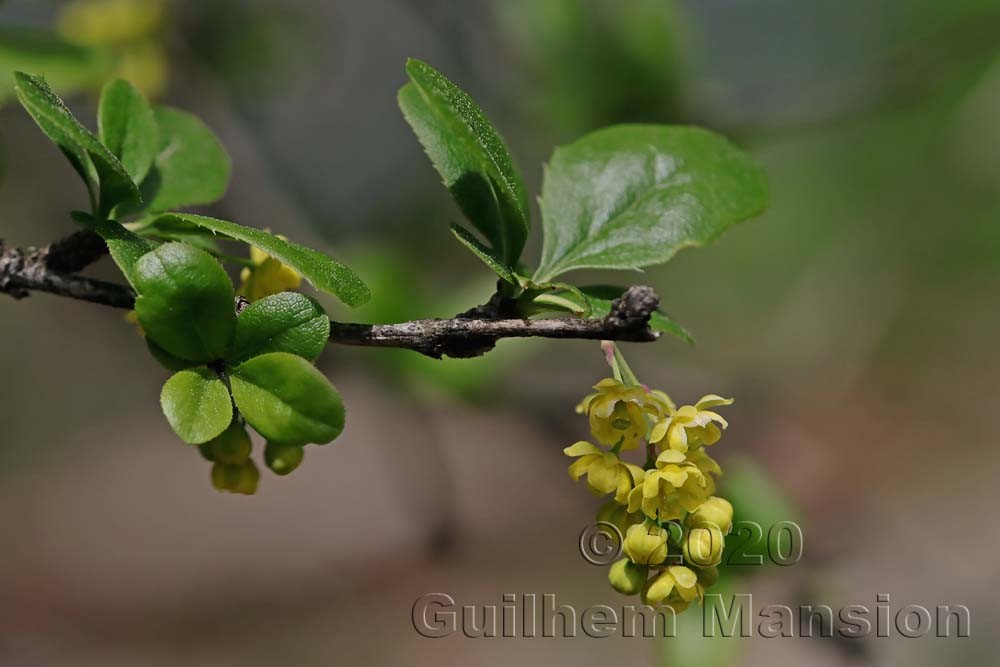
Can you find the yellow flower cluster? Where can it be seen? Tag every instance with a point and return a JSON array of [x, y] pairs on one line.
[[128, 32], [676, 485]]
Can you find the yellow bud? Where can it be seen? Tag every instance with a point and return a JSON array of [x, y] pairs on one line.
[[716, 512], [703, 546], [241, 478], [282, 459], [626, 577], [231, 447], [646, 544], [267, 276], [249, 478], [225, 477]]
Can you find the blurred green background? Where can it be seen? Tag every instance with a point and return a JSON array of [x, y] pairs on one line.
[[856, 324]]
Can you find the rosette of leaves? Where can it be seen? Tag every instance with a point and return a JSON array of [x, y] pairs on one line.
[[143, 163], [622, 198], [258, 362]]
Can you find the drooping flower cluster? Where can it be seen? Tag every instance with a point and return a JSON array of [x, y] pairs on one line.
[[674, 489]]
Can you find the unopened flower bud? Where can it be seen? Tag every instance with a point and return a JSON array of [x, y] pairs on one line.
[[626, 577], [283, 459], [231, 447], [241, 478], [646, 544], [716, 512], [249, 478], [703, 546]]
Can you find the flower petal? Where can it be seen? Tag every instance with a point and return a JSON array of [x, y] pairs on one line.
[[711, 401], [582, 448], [659, 430], [670, 456], [685, 577]]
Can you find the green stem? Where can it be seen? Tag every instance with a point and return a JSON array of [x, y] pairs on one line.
[[622, 371]]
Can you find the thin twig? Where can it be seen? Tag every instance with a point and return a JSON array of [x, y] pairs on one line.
[[471, 334]]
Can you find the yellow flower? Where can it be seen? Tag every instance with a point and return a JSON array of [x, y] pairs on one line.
[[691, 425], [674, 487], [618, 412], [646, 543], [605, 472], [707, 465], [147, 66], [104, 22], [626, 577], [266, 276], [676, 586], [715, 511], [703, 546]]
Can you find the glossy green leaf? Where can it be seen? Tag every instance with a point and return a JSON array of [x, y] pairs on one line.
[[287, 400], [197, 405], [482, 252], [125, 246], [68, 67], [630, 196], [167, 360], [470, 156], [285, 322], [126, 126], [191, 166], [186, 302], [103, 173], [324, 272]]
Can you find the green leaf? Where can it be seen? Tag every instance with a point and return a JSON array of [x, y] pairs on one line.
[[186, 302], [126, 126], [286, 322], [125, 246], [470, 156], [68, 67], [602, 296], [197, 405], [191, 166], [630, 196], [756, 498], [167, 360], [325, 273], [485, 254], [287, 400], [106, 179]]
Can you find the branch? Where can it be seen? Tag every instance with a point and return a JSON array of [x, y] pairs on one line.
[[472, 337], [470, 334], [42, 269]]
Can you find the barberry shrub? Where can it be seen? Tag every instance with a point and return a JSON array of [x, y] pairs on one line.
[[622, 198]]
